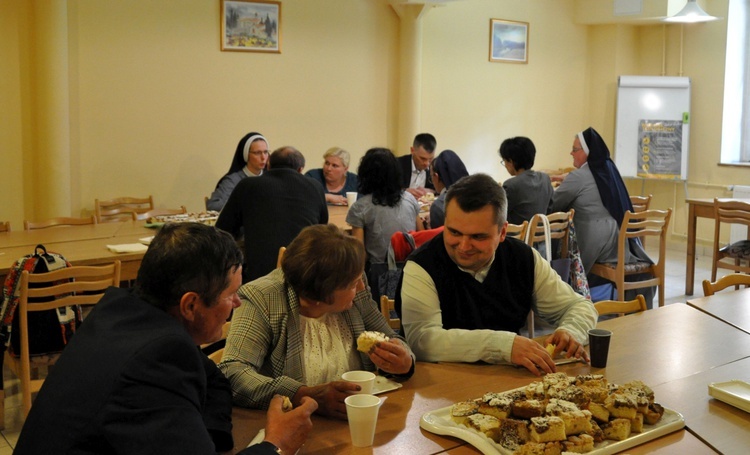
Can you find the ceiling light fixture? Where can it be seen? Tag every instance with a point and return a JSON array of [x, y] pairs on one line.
[[691, 13]]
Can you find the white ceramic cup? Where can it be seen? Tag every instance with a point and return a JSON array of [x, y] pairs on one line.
[[365, 379], [351, 198], [362, 413]]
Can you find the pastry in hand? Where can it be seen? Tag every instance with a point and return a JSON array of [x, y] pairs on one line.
[[286, 405], [367, 340]]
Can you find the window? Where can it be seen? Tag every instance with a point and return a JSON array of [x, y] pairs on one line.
[[735, 135]]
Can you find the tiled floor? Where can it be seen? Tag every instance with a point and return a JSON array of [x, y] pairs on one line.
[[674, 292]]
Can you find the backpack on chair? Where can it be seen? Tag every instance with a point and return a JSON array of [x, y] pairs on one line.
[[49, 331]]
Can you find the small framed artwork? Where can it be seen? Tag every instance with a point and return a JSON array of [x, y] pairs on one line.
[[250, 26], [509, 41]]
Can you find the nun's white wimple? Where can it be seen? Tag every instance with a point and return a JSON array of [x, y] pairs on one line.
[[584, 146], [250, 141]]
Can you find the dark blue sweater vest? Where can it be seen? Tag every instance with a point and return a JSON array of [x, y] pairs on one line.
[[501, 302]]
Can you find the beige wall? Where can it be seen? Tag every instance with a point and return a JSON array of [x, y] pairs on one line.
[[156, 107], [472, 104]]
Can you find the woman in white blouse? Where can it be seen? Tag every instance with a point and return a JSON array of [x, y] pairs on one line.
[[295, 333]]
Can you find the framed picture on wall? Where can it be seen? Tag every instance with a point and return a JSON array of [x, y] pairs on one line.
[[250, 26], [509, 41]]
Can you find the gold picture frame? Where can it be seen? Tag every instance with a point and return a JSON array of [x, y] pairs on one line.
[[509, 41], [250, 26]]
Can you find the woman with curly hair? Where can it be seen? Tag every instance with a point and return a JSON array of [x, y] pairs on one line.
[[382, 208]]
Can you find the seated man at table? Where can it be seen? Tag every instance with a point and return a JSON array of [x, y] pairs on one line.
[[415, 167], [272, 209], [466, 293], [132, 381]]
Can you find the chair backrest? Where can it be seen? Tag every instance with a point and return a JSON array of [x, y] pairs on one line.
[[403, 243], [730, 212], [120, 209], [640, 203], [158, 212], [644, 224], [4, 226], [517, 231], [61, 221], [386, 307], [87, 288], [559, 226], [605, 307], [280, 257], [733, 279]]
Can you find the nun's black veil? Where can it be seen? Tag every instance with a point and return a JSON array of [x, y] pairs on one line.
[[239, 161], [449, 167], [612, 189]]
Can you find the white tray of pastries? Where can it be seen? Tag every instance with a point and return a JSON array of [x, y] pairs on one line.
[[734, 392], [208, 218], [597, 423]]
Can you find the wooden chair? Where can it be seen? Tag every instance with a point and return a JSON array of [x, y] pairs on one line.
[[158, 212], [386, 306], [641, 204], [730, 212], [648, 223], [4, 226], [517, 231], [86, 288], [733, 279], [120, 209], [559, 228], [61, 221], [606, 307]]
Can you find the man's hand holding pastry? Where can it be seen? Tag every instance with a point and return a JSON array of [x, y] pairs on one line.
[[564, 341], [531, 355]]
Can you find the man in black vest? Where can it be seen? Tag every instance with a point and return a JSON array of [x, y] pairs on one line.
[[415, 167], [465, 294]]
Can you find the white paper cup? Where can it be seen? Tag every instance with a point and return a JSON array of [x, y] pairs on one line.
[[351, 198], [362, 413], [365, 379]]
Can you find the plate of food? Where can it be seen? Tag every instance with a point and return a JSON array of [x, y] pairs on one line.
[[208, 218], [583, 414], [383, 384]]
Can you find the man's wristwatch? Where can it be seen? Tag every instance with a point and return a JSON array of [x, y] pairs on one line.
[[270, 446]]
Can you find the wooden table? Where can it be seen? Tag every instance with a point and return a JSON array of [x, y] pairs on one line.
[[81, 245], [58, 234], [337, 216], [697, 208], [719, 424], [732, 307], [657, 346]]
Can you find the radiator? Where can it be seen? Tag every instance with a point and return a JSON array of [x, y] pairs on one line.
[[737, 231]]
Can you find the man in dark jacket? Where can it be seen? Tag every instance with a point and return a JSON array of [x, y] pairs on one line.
[[415, 167], [132, 379], [272, 209]]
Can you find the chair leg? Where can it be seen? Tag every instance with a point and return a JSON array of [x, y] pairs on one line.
[[661, 294]]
